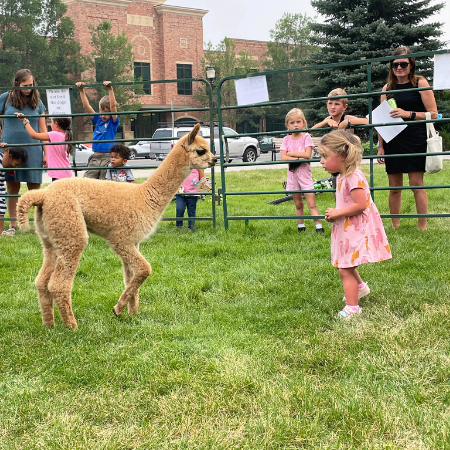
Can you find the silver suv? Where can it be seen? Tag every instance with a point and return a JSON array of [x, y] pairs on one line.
[[242, 147]]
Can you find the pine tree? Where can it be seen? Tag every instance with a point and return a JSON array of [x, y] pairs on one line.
[[363, 29]]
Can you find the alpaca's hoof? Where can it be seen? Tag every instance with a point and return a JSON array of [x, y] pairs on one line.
[[114, 311], [49, 324]]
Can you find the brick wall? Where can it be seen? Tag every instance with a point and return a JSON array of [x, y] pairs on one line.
[[256, 49]]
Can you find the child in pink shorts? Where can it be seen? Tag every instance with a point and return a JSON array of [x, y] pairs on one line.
[[294, 148]]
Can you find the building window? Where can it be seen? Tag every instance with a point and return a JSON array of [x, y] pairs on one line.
[[184, 71], [142, 72]]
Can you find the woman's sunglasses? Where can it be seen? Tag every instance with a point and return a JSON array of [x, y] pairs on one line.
[[402, 64]]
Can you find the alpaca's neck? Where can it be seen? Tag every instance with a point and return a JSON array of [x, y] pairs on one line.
[[168, 177]]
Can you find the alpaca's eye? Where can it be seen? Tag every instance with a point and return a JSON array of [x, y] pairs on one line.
[[200, 152]]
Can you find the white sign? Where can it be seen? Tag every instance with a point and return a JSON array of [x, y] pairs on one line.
[[381, 115], [58, 102], [441, 75], [251, 90]]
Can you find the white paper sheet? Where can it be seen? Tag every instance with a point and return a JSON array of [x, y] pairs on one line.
[[58, 101], [251, 90], [441, 75], [381, 115]]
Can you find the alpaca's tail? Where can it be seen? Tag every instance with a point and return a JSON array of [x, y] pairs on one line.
[[26, 201]]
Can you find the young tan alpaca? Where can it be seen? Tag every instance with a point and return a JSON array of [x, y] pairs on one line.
[[123, 213]]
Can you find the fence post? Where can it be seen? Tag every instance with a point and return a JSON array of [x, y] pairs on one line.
[[370, 104]]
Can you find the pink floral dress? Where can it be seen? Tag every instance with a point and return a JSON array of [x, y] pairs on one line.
[[358, 239]]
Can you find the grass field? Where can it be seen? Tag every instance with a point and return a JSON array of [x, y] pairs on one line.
[[236, 344]]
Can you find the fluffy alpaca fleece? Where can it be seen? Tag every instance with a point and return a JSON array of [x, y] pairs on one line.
[[123, 213]]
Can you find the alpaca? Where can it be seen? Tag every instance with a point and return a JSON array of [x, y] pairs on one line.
[[123, 213]]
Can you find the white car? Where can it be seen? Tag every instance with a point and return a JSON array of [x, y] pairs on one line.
[[142, 148], [242, 147], [82, 153]]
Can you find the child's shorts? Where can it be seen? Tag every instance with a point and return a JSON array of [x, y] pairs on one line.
[[300, 178]]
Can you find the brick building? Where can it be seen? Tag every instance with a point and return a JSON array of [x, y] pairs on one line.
[[167, 43]]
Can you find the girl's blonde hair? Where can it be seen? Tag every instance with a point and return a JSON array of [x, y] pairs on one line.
[[298, 112], [342, 142]]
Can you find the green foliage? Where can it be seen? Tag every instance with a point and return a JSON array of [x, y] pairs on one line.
[[291, 43], [360, 29], [34, 34], [234, 347], [112, 59], [227, 62]]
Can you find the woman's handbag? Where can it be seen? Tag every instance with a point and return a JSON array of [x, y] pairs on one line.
[[434, 163]]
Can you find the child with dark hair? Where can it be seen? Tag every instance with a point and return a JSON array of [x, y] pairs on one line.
[[54, 155], [118, 166], [10, 158]]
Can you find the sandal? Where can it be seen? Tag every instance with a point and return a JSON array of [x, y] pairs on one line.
[[11, 231], [347, 312]]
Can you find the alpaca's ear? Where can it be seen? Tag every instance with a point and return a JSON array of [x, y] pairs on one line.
[[192, 134]]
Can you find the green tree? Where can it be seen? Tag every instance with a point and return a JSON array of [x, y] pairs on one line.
[[226, 62], [112, 59], [34, 34], [359, 29], [292, 41]]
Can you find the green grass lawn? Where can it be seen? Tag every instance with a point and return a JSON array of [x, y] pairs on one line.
[[236, 344]]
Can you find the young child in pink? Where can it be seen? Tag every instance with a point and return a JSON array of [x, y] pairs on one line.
[[188, 202], [294, 148], [358, 234], [54, 155]]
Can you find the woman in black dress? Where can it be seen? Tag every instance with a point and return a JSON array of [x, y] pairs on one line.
[[413, 139]]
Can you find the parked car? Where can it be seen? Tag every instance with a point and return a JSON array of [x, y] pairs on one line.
[[140, 149], [242, 147], [266, 144], [83, 154]]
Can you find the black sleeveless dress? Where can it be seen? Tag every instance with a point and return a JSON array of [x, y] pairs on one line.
[[412, 139]]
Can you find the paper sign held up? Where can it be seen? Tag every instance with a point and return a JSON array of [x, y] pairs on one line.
[[58, 102], [381, 115], [441, 75], [251, 90]]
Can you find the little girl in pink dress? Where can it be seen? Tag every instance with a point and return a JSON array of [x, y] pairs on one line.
[[358, 234]]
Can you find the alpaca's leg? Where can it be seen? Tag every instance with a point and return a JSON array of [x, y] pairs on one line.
[[43, 278], [140, 269], [61, 283], [128, 272]]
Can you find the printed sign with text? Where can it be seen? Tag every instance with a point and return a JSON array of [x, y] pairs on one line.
[[58, 101]]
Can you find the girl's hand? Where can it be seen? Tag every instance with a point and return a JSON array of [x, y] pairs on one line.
[[44, 161], [107, 84], [380, 153], [3, 144], [20, 116], [331, 214], [399, 112]]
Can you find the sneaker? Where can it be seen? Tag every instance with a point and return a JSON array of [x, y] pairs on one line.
[[300, 230], [320, 230], [362, 292], [347, 312]]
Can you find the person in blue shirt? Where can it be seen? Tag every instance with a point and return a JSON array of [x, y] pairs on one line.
[[105, 129]]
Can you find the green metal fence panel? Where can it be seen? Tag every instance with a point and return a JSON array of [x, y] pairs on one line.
[[369, 95], [73, 115]]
